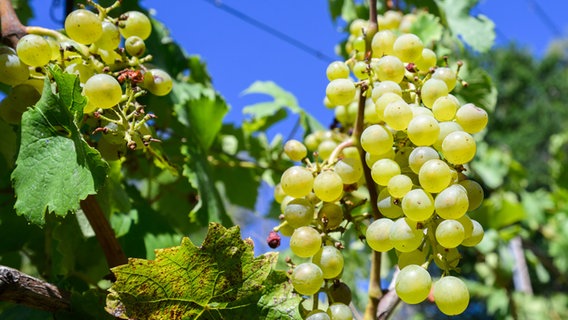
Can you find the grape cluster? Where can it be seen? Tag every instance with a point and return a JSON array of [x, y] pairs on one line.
[[415, 143], [106, 54]]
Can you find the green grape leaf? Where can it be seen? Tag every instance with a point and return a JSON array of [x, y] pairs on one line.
[[335, 7], [282, 100], [221, 279], [478, 32], [427, 27], [55, 168]]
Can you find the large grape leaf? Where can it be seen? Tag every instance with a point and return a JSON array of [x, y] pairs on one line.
[[221, 279], [478, 32], [55, 168]]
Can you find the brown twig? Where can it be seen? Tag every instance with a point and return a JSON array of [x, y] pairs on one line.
[[105, 235], [18, 287], [12, 28]]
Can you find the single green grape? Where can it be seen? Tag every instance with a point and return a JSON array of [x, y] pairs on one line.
[[83, 26], [451, 295], [377, 235], [423, 130], [475, 194], [413, 284], [299, 212], [450, 233], [446, 127], [382, 43], [388, 205], [390, 68], [447, 75], [376, 139], [330, 261], [459, 147], [452, 202], [339, 292], [405, 236], [297, 181], [445, 107], [418, 205], [426, 60], [307, 278], [135, 46], [331, 213], [135, 24], [476, 235], [83, 71], [397, 115], [383, 170], [434, 175], [337, 70], [419, 156], [158, 82], [103, 91], [417, 257], [18, 100], [328, 186], [34, 50], [350, 170], [12, 70], [431, 90], [305, 242], [471, 118], [110, 37], [340, 91], [295, 150], [408, 47], [399, 185], [317, 315], [339, 311], [383, 87]]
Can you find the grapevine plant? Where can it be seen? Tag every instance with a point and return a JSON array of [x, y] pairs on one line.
[[392, 172]]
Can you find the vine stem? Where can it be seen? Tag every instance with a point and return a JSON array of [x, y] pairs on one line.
[[12, 28]]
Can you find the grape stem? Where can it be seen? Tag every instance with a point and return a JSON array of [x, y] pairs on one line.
[[335, 154], [12, 28]]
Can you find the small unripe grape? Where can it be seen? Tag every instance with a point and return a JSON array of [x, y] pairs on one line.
[[408, 47], [328, 186], [377, 235], [295, 150], [337, 70], [297, 181], [83, 26], [279, 194], [360, 70], [471, 118], [307, 278], [451, 295], [103, 91], [413, 284], [305, 242], [136, 24], [135, 46], [34, 50], [158, 82], [330, 261], [340, 91], [447, 75]]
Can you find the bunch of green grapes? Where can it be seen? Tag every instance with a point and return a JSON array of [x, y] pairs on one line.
[[417, 139], [111, 76]]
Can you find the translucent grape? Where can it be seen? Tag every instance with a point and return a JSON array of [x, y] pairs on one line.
[[305, 242], [446, 128], [339, 311], [376, 139], [399, 185], [471, 118], [295, 150], [475, 193], [413, 284], [467, 225], [383, 87], [332, 214], [279, 194], [337, 70], [299, 212], [419, 156], [447, 75], [328, 186], [446, 258], [433, 89], [330, 261], [103, 91], [383, 101], [340, 91], [110, 37], [404, 235], [357, 27], [34, 50], [85, 72], [317, 315], [383, 170], [426, 60], [408, 47], [398, 115], [136, 24], [451, 295], [158, 82], [476, 235], [360, 70], [135, 46], [459, 147], [297, 181], [370, 114], [326, 147], [451, 203], [350, 170], [307, 278], [377, 235], [382, 43], [418, 205], [390, 68], [418, 110], [12, 70], [388, 205], [445, 107], [83, 26], [390, 20], [417, 257], [434, 175], [423, 130], [450, 233]]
